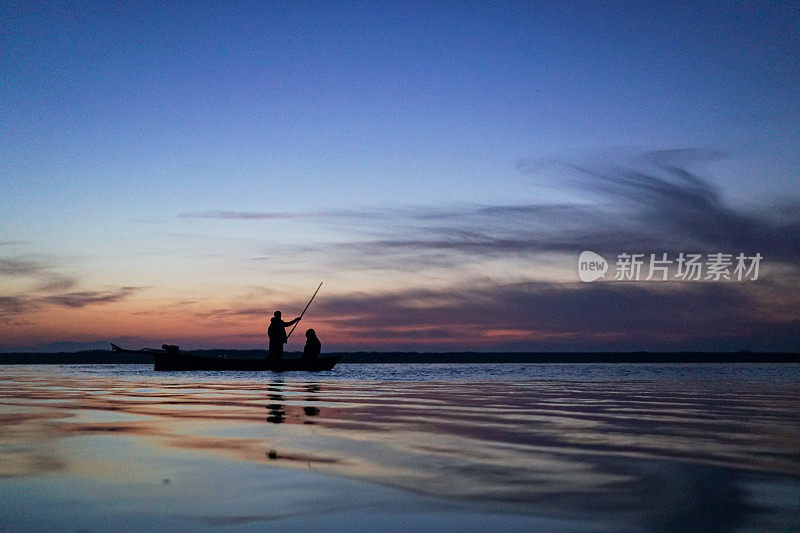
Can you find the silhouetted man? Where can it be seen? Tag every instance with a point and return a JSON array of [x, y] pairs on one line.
[[277, 335], [313, 346]]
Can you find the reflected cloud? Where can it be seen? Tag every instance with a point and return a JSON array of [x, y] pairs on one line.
[[546, 446]]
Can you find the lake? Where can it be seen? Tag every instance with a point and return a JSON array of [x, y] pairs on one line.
[[423, 447]]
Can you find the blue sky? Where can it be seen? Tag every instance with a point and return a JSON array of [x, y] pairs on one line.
[[126, 131]]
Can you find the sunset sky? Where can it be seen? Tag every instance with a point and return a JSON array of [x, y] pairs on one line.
[[175, 174]]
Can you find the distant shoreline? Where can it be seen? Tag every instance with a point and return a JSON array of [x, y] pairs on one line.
[[109, 357]]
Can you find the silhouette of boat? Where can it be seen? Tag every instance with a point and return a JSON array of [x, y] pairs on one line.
[[171, 358]]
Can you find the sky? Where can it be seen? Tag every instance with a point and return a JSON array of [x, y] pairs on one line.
[[175, 173]]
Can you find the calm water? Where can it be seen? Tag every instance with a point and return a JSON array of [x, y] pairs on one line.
[[402, 447]]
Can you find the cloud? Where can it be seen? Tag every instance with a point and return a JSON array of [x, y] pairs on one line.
[[329, 216], [84, 298], [649, 203], [654, 205], [51, 282], [683, 207], [13, 306], [485, 314], [241, 215], [224, 313], [48, 281], [20, 267], [570, 316]]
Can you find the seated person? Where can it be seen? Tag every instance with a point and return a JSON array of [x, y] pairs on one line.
[[313, 346]]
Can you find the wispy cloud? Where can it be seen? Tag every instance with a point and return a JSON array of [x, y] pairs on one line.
[[49, 289], [52, 282], [13, 306], [325, 216], [653, 204], [553, 316], [227, 313], [656, 204], [84, 298], [241, 215], [20, 267], [47, 280], [660, 207], [684, 208]]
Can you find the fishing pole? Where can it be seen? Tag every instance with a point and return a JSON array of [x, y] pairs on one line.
[[304, 312]]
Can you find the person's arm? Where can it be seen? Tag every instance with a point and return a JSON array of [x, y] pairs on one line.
[[292, 322]]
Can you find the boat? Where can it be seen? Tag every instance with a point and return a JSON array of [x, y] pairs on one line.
[[170, 358]]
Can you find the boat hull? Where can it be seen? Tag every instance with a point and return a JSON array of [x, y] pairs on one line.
[[177, 362]]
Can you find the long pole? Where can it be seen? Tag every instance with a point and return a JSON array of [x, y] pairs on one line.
[[304, 312]]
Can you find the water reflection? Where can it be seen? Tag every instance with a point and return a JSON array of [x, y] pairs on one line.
[[277, 415], [279, 411], [694, 498], [311, 410], [659, 455]]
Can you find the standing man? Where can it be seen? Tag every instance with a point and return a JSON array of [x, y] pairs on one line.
[[277, 335]]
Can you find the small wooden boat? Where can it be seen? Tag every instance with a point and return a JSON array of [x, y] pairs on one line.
[[172, 359]]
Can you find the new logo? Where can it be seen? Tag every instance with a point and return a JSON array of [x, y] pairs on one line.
[[591, 266]]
